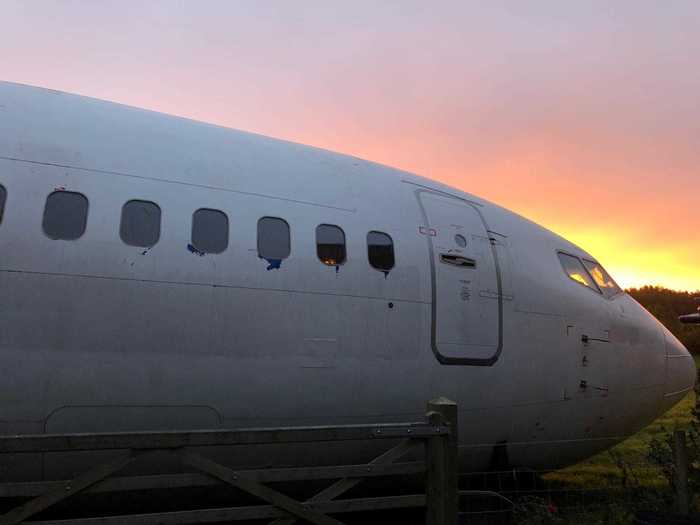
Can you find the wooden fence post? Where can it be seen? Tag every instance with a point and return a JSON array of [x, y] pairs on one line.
[[441, 457], [680, 463]]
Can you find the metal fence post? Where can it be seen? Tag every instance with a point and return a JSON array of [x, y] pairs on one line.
[[441, 457], [680, 461]]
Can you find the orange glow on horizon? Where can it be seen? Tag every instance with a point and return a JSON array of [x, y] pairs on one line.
[[634, 264]]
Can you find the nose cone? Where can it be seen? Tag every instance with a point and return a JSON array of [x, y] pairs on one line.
[[681, 372]]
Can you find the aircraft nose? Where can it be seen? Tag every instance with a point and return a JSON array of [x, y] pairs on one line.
[[681, 372]]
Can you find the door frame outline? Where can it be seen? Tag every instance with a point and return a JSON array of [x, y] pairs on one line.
[[444, 359]]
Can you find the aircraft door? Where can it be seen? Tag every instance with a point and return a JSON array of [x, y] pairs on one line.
[[466, 284]]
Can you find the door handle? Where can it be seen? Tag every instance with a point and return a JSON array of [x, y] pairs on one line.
[[457, 260]]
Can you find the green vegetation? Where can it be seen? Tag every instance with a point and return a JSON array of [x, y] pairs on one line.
[[666, 305]]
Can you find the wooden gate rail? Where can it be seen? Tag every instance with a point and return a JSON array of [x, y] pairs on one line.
[[171, 481], [253, 512], [438, 434], [214, 438]]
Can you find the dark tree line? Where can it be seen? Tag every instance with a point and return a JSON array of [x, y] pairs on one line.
[[666, 305]]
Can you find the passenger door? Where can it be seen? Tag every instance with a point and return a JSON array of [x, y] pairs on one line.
[[466, 282]]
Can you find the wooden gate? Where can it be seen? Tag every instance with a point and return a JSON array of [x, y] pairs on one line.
[[438, 434]]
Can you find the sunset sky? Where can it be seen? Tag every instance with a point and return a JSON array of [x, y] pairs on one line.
[[583, 116]]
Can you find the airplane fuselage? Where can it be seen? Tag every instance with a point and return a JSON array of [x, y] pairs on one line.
[[97, 334]]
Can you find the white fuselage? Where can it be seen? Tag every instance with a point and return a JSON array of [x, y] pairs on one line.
[[97, 335]]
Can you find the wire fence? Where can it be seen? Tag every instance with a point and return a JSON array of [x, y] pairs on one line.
[[606, 489], [573, 491]]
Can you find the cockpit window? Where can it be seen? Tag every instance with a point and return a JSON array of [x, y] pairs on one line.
[[575, 270], [602, 278]]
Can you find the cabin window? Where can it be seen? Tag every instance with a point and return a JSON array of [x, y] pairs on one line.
[[209, 231], [274, 241], [65, 215], [330, 244], [380, 251], [140, 224], [602, 278], [3, 197], [575, 270]]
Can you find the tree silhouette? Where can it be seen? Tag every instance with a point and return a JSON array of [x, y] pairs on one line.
[[666, 305]]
